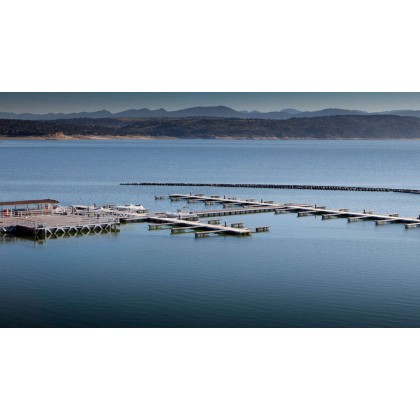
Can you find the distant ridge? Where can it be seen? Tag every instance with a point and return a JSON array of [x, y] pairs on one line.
[[204, 111], [330, 127]]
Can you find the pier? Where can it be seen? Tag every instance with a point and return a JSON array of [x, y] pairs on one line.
[[46, 226], [45, 221], [201, 229], [250, 206]]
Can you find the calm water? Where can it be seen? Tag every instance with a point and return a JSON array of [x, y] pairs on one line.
[[303, 273]]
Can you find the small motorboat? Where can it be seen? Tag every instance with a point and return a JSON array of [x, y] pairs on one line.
[[177, 215], [133, 208]]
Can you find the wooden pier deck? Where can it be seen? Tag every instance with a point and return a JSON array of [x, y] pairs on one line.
[[54, 225], [219, 199], [237, 211], [182, 225]]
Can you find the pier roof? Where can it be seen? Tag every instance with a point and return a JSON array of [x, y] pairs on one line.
[[18, 203]]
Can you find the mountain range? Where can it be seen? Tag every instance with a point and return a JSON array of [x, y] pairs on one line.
[[204, 111], [329, 127]]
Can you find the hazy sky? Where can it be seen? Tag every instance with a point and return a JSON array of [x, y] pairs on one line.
[[114, 102]]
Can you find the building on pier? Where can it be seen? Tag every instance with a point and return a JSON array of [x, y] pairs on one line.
[[12, 207]]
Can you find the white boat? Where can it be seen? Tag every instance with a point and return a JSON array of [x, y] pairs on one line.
[[135, 208], [84, 208], [177, 215]]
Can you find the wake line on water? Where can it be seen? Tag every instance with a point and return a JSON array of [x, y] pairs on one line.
[[275, 186]]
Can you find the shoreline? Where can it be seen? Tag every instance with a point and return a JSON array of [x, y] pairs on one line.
[[63, 137], [75, 138]]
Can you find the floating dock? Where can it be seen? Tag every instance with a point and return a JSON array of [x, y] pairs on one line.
[[250, 206], [50, 223], [201, 229]]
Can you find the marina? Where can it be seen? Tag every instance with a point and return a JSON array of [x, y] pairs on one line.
[[45, 219], [304, 272]]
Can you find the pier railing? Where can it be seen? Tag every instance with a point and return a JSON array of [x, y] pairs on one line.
[[86, 221], [24, 213]]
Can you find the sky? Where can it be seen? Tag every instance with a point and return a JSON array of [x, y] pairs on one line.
[[115, 102]]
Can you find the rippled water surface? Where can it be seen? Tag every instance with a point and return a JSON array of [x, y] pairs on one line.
[[303, 273]]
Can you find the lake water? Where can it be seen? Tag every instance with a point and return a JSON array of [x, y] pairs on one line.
[[303, 273]]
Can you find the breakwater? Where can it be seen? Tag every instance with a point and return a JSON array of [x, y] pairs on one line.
[[276, 186]]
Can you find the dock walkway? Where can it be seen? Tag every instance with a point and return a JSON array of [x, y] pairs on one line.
[[249, 207], [201, 227]]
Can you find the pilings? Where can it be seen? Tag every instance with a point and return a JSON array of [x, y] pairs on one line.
[[237, 225], [262, 229], [412, 225], [358, 218], [307, 213], [276, 186], [213, 222]]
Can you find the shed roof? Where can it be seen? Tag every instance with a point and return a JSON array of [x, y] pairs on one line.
[[18, 203]]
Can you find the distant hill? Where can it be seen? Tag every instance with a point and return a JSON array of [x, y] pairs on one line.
[[402, 113], [331, 111], [51, 116], [204, 111], [330, 127]]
